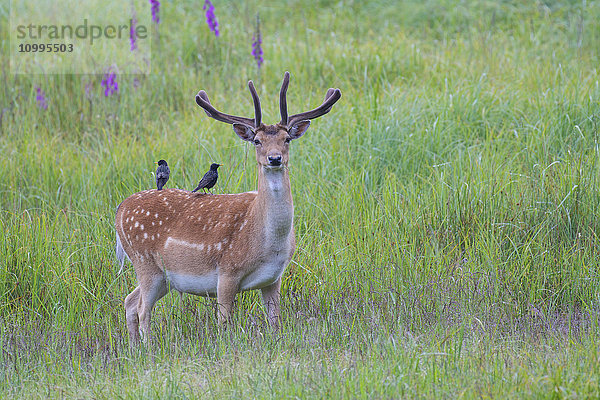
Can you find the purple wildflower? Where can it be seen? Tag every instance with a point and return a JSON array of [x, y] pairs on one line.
[[257, 51], [40, 97], [155, 9], [109, 82], [132, 33], [211, 18]]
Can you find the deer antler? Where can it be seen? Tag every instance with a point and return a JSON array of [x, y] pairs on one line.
[[283, 99], [257, 110], [203, 101], [332, 96]]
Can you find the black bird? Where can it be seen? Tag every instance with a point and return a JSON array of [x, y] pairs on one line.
[[209, 179], [162, 174]]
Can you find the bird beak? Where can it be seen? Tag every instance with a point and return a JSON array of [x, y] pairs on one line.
[[156, 162]]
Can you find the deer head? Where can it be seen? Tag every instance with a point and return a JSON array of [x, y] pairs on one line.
[[271, 141]]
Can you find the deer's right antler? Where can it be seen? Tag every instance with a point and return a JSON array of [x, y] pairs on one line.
[[203, 101]]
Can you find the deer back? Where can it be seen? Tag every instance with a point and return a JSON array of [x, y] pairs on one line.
[[183, 231]]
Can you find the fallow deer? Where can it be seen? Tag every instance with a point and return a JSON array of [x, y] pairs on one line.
[[217, 245]]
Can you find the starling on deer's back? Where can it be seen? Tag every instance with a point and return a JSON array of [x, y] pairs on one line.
[[162, 174], [209, 179]]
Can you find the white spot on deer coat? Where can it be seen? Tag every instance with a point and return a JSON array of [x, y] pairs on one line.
[[180, 242]]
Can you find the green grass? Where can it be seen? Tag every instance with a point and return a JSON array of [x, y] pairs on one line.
[[446, 209]]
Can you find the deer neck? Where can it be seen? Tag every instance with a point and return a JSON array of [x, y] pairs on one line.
[[274, 203]]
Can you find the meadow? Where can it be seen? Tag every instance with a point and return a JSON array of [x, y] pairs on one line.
[[446, 209]]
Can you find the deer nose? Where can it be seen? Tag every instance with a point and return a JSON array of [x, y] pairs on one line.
[[274, 160]]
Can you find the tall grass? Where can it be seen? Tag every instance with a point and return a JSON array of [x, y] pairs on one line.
[[446, 209]]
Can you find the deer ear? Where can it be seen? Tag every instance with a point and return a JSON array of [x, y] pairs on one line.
[[298, 129], [244, 132]]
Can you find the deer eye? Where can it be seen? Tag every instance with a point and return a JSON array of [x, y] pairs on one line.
[[256, 142], [287, 140]]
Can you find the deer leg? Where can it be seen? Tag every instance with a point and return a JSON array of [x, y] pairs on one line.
[[226, 290], [131, 315], [150, 294], [270, 295]]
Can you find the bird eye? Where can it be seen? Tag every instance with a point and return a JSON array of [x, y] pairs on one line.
[[256, 142]]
